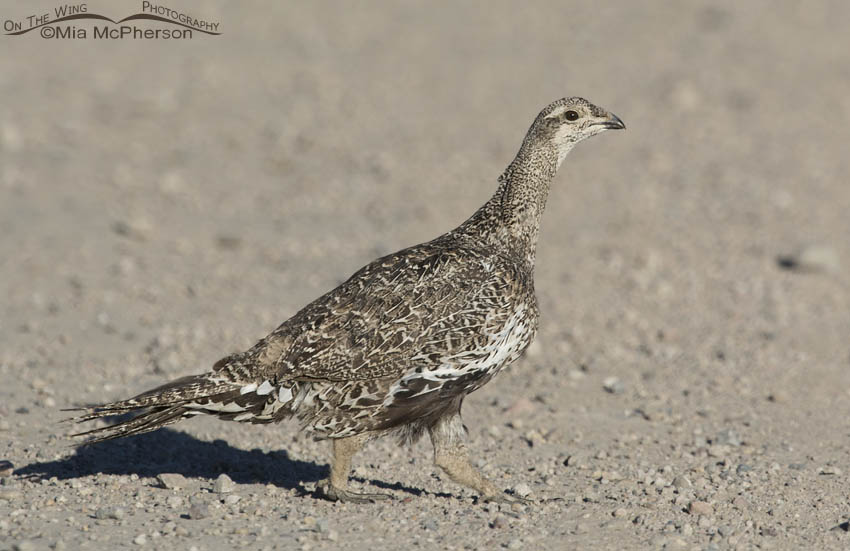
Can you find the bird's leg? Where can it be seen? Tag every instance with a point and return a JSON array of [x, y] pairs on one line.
[[335, 487], [451, 455]]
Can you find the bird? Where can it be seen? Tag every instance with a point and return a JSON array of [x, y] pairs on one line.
[[396, 348]]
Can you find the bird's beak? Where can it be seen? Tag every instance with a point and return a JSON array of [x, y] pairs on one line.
[[612, 122]]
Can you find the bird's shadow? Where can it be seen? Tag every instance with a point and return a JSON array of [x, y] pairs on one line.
[[170, 451]]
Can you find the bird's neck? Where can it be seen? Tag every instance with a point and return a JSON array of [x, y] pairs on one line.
[[510, 220]]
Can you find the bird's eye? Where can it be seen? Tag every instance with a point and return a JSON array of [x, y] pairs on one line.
[[571, 115]]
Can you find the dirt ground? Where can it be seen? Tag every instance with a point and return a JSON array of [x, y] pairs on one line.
[[166, 202]]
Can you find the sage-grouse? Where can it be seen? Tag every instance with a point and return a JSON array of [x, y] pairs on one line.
[[398, 346]]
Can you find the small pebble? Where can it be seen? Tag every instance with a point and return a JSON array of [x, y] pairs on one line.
[[681, 482], [321, 525], [700, 508], [575, 374], [779, 396], [771, 531], [613, 385], [232, 499], [522, 490], [169, 526], [728, 437], [620, 513], [743, 468], [718, 450], [830, 470], [171, 481], [24, 545], [573, 460], [812, 259], [174, 501], [114, 513], [223, 484], [199, 511], [499, 522], [515, 544], [141, 539]]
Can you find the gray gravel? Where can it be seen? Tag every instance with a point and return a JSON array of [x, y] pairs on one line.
[[163, 204], [223, 484]]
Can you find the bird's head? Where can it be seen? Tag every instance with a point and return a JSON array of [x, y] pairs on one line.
[[565, 122]]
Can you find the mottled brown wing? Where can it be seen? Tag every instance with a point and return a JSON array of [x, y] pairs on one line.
[[415, 303]]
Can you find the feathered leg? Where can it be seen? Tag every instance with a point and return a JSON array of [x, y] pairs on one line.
[[335, 487], [451, 455]]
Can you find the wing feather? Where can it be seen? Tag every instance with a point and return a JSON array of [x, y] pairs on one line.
[[420, 303]]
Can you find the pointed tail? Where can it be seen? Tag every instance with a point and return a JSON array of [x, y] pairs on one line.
[[174, 401]]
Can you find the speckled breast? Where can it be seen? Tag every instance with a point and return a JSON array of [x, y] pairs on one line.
[[507, 345]]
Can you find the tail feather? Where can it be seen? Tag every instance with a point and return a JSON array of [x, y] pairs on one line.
[[177, 400], [142, 423], [174, 392]]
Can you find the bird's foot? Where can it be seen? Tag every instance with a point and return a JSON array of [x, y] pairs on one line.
[[342, 495]]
